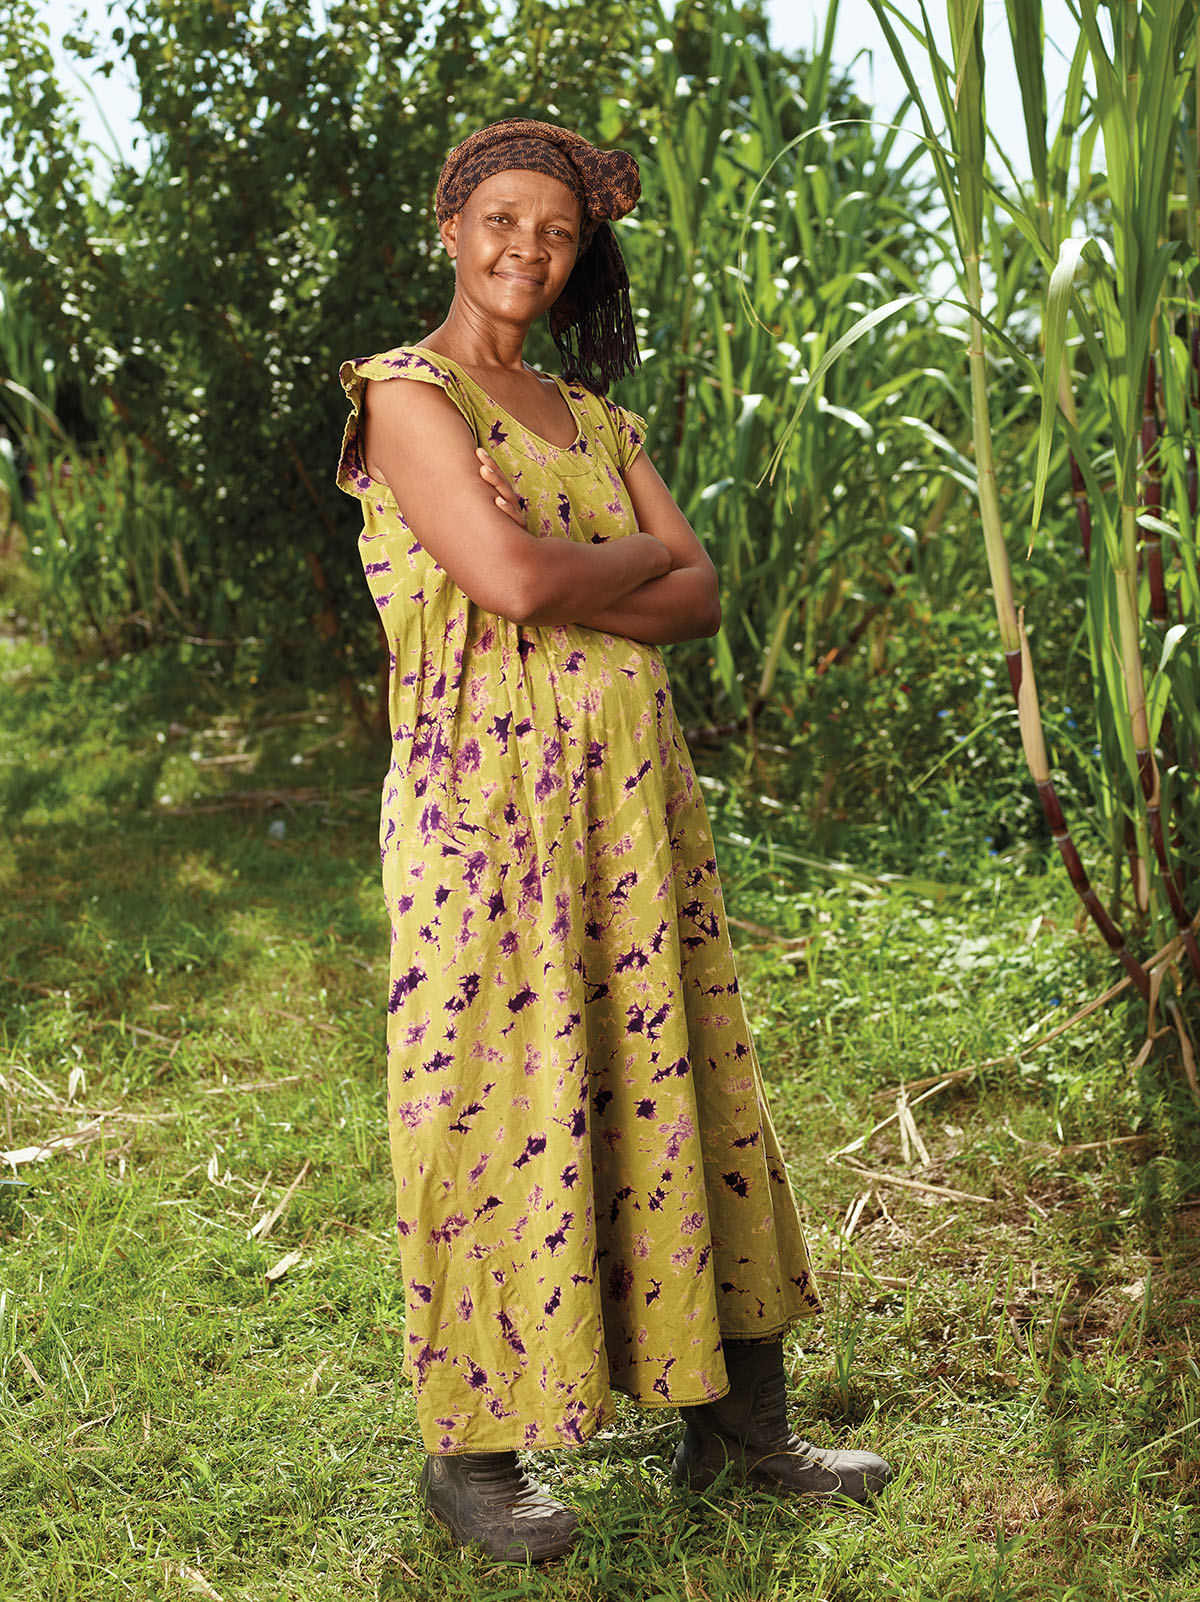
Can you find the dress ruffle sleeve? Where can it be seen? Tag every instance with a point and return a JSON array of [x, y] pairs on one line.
[[352, 475], [630, 431]]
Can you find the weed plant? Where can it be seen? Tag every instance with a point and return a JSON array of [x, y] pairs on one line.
[[192, 999]]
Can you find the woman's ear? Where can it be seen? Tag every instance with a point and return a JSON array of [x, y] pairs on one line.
[[449, 232]]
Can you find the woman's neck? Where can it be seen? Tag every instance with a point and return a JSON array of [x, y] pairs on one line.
[[475, 342]]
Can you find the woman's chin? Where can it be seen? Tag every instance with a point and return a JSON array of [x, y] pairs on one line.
[[529, 296]]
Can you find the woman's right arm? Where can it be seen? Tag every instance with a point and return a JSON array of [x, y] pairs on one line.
[[417, 441]]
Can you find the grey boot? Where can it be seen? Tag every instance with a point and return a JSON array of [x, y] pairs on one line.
[[748, 1433], [487, 1499]]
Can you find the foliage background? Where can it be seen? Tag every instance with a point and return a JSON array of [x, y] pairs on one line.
[[196, 310]]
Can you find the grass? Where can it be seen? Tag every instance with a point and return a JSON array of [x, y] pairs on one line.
[[200, 1001]]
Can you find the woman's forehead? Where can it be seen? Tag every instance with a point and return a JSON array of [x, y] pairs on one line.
[[536, 190]]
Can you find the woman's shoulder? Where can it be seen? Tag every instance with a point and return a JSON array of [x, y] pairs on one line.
[[410, 362], [401, 361]]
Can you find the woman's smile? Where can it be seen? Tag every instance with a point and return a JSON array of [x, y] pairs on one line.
[[515, 276]]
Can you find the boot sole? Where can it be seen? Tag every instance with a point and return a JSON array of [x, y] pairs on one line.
[[518, 1550], [701, 1476]]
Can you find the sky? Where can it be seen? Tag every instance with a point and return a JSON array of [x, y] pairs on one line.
[[858, 46]]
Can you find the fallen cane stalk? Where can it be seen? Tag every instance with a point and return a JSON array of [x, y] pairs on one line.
[[918, 1184]]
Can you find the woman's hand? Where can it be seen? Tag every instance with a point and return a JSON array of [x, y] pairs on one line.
[[506, 496]]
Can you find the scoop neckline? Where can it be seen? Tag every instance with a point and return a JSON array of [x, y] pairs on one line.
[[573, 447]]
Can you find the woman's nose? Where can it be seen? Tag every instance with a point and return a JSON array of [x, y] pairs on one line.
[[527, 243]]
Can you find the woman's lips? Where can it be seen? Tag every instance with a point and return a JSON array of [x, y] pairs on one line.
[[522, 278]]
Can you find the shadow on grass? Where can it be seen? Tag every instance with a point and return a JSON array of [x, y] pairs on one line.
[[114, 884]]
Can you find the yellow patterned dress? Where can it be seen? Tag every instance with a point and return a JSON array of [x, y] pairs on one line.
[[589, 1190]]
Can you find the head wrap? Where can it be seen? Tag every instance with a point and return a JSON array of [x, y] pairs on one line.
[[591, 322]]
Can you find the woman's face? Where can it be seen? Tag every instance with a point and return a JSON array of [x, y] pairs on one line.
[[514, 244]]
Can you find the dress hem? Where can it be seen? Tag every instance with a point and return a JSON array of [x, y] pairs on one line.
[[607, 1413]]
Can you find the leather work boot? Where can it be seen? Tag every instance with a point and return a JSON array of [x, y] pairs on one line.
[[487, 1500], [748, 1433]]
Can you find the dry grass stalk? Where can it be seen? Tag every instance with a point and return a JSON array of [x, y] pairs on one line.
[[267, 1222], [910, 1135], [54, 1145], [1187, 1050], [279, 1269], [27, 1365], [246, 1087], [853, 1213]]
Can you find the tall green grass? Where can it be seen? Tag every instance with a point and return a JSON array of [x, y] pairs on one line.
[[103, 534], [765, 235]]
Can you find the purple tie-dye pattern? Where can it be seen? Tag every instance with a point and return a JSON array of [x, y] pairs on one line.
[[589, 1189]]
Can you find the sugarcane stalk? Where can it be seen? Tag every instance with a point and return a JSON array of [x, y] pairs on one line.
[[1152, 496], [1152, 537], [966, 35], [1033, 742], [1152, 790], [1139, 877], [1147, 767], [999, 570], [1129, 647]]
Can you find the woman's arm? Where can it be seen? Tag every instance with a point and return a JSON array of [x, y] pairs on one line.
[[678, 606], [418, 443], [682, 604]]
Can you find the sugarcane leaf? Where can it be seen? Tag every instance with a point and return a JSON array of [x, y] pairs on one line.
[[900, 56], [969, 22], [1160, 688], [1027, 32], [903, 383], [1064, 139], [860, 329], [1058, 302], [726, 670], [39, 407], [844, 414], [1184, 702], [967, 473], [1172, 639], [1156, 525], [1004, 714], [1156, 116], [933, 888]]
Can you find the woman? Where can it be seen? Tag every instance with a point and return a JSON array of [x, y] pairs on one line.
[[590, 1195]]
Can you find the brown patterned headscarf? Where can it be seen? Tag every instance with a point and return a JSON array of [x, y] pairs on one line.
[[591, 322]]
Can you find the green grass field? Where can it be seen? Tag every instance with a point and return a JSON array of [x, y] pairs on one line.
[[198, 1404]]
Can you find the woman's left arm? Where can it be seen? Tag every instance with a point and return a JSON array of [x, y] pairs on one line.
[[684, 604]]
